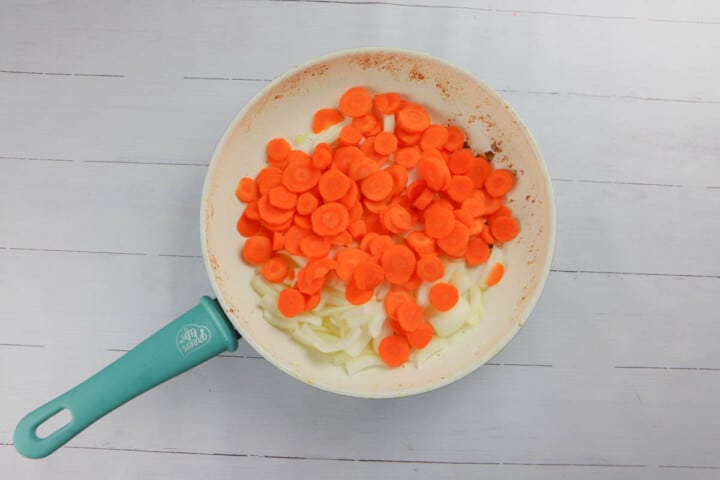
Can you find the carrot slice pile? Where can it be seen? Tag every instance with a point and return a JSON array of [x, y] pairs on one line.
[[348, 209]]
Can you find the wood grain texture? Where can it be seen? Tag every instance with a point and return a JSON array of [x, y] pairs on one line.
[[110, 111]]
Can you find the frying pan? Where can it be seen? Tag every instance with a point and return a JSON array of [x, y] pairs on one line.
[[283, 109]]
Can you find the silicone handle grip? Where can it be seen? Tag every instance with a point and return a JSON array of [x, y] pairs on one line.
[[194, 337]]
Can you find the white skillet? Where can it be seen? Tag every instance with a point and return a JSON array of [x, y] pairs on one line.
[[284, 109]]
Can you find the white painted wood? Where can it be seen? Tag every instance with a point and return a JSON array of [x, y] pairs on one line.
[[240, 39], [154, 209], [179, 121], [565, 415], [617, 368]]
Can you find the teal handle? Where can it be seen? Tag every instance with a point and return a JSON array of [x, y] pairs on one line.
[[198, 335]]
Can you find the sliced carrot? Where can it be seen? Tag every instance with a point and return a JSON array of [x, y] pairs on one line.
[[246, 190], [377, 186], [443, 296], [379, 244], [325, 118], [350, 200], [398, 219], [456, 139], [479, 171], [257, 250], [379, 124], [400, 178], [394, 350], [356, 102], [342, 238], [477, 227], [333, 185], [278, 241], [477, 252], [408, 157], [252, 211], [394, 298], [410, 316], [421, 243], [387, 103], [267, 178], [347, 261], [272, 214], [504, 228], [291, 302], [365, 123], [499, 182], [322, 156], [476, 204], [344, 156], [315, 246], [357, 229], [306, 203], [247, 227], [433, 169], [277, 150], [309, 284], [300, 176], [455, 244], [319, 268], [495, 275], [413, 284], [349, 135], [312, 301], [330, 219], [460, 188], [356, 295], [398, 261], [281, 197], [280, 227], [465, 217], [420, 337], [486, 235], [500, 212], [356, 211], [362, 167], [424, 199], [293, 237], [385, 143], [302, 221], [461, 161], [413, 118], [407, 139], [439, 221], [396, 328], [375, 206], [275, 269], [415, 189], [368, 275], [430, 268], [492, 204], [365, 242], [435, 136]]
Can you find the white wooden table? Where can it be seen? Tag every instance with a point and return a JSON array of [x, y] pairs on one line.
[[109, 112]]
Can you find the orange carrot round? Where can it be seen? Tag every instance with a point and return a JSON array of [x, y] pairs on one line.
[[275, 269], [356, 295], [281, 197], [433, 169], [356, 102], [443, 296], [306, 203], [456, 139], [504, 228], [291, 302], [460, 188], [413, 118], [398, 261], [333, 185], [322, 156], [246, 190], [377, 186], [455, 244], [315, 246], [410, 316], [349, 135], [435, 136], [300, 176], [246, 226], [387, 103], [477, 252], [394, 350], [325, 118], [277, 150], [368, 275], [330, 219], [439, 221], [499, 182], [385, 143], [394, 298], [461, 161], [257, 250], [495, 275], [430, 268]]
